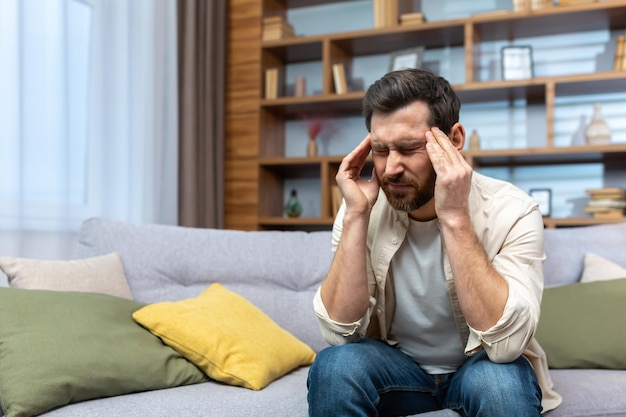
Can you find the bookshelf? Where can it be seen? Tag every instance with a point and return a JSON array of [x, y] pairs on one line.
[[468, 34]]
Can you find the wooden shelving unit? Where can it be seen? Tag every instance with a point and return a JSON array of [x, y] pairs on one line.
[[467, 33]]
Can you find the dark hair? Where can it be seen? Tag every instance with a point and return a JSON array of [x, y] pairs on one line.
[[399, 88]]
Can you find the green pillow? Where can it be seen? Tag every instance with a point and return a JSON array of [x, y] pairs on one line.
[[58, 348], [582, 325]]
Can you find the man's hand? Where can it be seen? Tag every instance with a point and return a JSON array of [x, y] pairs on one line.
[[358, 193], [344, 291], [454, 175]]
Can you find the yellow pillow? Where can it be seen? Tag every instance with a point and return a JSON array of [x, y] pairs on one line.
[[227, 337]]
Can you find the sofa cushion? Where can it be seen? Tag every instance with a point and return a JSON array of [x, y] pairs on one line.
[[597, 268], [565, 249], [63, 347], [227, 337], [582, 325], [102, 274]]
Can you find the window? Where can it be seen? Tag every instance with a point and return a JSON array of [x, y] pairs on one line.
[[45, 50]]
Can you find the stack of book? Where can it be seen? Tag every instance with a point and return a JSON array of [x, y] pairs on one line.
[[606, 203], [387, 12], [526, 5], [620, 53], [276, 27], [412, 18]]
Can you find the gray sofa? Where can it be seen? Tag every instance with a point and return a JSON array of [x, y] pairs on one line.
[[279, 272]]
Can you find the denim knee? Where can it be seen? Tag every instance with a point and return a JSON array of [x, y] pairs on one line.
[[332, 364], [485, 388], [338, 385]]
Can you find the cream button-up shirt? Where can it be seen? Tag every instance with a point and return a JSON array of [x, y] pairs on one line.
[[509, 226]]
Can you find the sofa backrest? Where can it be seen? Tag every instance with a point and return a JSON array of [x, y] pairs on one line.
[[278, 272], [566, 247]]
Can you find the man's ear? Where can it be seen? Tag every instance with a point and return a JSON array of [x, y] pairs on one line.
[[457, 136]]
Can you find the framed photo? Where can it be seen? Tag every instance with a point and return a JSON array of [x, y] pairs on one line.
[[543, 196], [407, 58], [517, 62]]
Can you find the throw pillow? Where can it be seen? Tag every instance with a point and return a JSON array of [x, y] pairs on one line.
[[582, 325], [227, 337], [596, 268], [63, 347], [101, 274]]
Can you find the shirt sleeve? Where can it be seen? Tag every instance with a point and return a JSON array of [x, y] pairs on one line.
[[520, 262], [336, 333]]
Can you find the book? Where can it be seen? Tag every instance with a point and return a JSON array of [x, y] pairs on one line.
[[339, 78], [521, 5], [271, 83], [605, 213], [574, 2], [620, 53], [538, 4], [607, 192], [607, 203]]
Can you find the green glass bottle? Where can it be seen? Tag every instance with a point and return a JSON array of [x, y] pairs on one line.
[[293, 207]]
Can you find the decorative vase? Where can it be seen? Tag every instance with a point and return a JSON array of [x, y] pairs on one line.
[[293, 208], [311, 148], [474, 141], [598, 132]]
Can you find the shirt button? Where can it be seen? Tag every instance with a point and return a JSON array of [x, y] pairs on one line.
[[379, 312], [394, 241], [379, 279]]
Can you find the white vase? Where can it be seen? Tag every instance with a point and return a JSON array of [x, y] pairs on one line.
[[474, 141], [598, 132]]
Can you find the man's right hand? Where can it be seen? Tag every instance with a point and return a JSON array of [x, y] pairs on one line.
[[359, 194]]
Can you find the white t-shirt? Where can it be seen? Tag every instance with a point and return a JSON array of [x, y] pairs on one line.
[[423, 322]]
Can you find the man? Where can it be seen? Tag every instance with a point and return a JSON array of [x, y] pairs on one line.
[[433, 295]]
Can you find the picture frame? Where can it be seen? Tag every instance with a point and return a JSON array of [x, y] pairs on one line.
[[407, 58], [517, 62], [543, 197]]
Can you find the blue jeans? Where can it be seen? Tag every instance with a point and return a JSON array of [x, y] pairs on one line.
[[371, 378]]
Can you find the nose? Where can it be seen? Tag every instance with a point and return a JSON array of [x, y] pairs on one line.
[[395, 164]]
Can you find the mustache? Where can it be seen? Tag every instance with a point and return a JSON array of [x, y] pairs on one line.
[[397, 179]]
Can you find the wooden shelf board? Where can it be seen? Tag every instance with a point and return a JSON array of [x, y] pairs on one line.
[[547, 156], [300, 160], [378, 41], [319, 104], [475, 92], [552, 222], [566, 19]]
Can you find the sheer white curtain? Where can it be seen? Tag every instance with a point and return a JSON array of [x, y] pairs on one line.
[[88, 119]]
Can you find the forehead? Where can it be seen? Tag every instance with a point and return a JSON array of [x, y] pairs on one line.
[[416, 112], [408, 122]]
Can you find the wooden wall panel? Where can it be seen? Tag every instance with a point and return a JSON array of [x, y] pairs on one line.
[[243, 86]]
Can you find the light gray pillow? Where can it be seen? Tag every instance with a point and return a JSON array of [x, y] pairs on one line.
[[101, 274], [597, 268]]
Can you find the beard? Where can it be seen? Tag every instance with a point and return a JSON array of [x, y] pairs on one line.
[[412, 198]]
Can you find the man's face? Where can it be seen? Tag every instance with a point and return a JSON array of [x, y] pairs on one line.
[[401, 162]]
